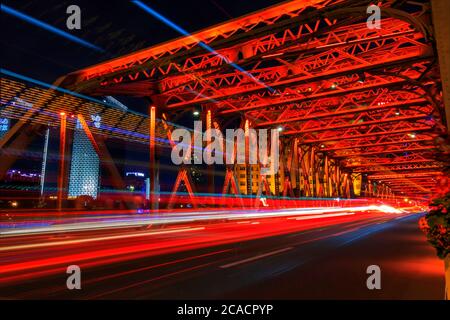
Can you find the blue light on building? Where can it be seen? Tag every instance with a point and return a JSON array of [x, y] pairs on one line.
[[4, 126], [85, 166]]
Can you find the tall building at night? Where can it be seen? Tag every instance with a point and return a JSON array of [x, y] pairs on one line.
[[84, 178], [85, 166]]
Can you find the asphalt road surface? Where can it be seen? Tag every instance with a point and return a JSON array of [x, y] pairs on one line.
[[290, 257]]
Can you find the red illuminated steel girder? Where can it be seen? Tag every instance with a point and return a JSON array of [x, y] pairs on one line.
[[407, 186], [401, 140], [350, 51], [413, 159], [417, 180], [395, 30], [408, 37], [389, 150], [403, 167], [334, 125], [328, 65], [369, 161], [187, 47], [294, 44], [425, 181], [411, 188], [369, 102], [422, 178], [351, 131], [422, 182], [416, 194], [373, 147], [378, 166], [297, 33], [409, 192], [372, 107], [406, 175], [305, 69], [347, 84], [411, 183], [207, 99], [367, 131], [304, 93]]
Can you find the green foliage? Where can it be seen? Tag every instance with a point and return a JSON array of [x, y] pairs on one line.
[[437, 226]]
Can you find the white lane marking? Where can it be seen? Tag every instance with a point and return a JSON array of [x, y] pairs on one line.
[[255, 258], [60, 243]]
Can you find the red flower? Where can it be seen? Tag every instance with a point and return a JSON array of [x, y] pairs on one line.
[[423, 224], [441, 229]]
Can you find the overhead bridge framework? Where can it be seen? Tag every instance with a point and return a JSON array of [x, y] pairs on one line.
[[360, 110]]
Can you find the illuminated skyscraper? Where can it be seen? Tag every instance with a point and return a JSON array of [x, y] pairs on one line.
[[85, 166], [84, 178]]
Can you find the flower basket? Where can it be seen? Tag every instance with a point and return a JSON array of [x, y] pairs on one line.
[[436, 225]]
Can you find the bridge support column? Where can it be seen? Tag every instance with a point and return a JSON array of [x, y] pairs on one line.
[[62, 159], [286, 164], [153, 166], [230, 184], [210, 169], [183, 175], [248, 167], [440, 11]]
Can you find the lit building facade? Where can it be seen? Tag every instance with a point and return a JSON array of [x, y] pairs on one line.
[[4, 126], [84, 176], [248, 177], [85, 166]]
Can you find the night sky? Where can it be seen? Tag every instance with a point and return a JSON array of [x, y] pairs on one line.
[[119, 27]]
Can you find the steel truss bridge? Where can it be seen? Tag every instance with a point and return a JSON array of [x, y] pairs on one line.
[[355, 105]]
